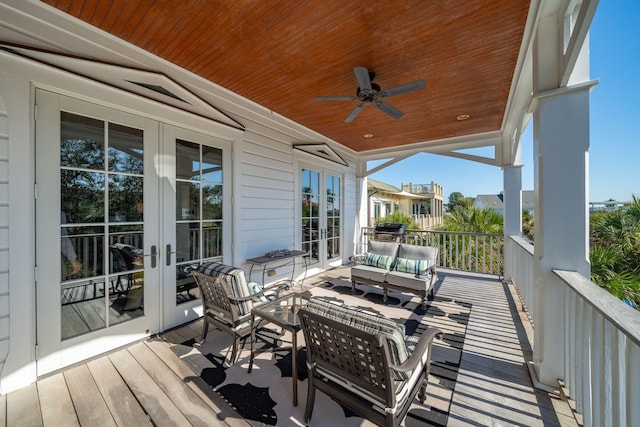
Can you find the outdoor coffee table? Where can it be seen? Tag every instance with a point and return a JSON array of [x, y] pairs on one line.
[[281, 313]]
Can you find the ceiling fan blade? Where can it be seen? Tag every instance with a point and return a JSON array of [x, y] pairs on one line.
[[407, 87], [389, 109], [355, 112], [362, 75], [336, 98]]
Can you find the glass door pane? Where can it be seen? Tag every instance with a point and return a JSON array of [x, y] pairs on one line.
[[199, 207], [320, 211], [310, 208], [101, 224], [334, 201]]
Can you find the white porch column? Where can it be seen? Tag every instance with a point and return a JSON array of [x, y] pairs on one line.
[[512, 201], [561, 145], [362, 211], [561, 189], [512, 195]]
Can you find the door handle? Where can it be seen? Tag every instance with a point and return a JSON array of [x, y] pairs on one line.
[[168, 253], [153, 255]]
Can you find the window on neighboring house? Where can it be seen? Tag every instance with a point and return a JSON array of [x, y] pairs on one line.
[[376, 210], [387, 209]]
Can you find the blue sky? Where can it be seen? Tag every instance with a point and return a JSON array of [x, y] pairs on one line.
[[615, 106]]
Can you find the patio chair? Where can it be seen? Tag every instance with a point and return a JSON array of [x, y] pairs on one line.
[[227, 300], [361, 360]]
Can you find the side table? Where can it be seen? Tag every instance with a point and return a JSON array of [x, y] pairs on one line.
[[281, 312], [281, 259]]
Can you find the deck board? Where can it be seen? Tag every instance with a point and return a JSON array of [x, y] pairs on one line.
[[23, 407], [55, 401], [185, 399], [224, 415], [155, 402], [121, 402], [91, 408]]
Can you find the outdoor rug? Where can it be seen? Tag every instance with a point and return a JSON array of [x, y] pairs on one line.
[[265, 395]]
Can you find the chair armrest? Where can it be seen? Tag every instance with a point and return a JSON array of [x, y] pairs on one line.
[[277, 287], [423, 345], [357, 257]]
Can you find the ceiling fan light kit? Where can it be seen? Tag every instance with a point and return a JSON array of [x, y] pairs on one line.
[[370, 93]]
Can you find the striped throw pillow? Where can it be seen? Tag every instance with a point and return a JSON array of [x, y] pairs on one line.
[[414, 266], [381, 261]]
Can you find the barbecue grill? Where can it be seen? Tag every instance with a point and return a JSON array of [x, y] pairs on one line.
[[390, 231]]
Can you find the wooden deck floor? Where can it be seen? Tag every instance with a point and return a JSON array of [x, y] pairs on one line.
[[147, 384]]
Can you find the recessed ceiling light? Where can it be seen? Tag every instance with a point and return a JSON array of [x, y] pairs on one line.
[[462, 117], [368, 135]]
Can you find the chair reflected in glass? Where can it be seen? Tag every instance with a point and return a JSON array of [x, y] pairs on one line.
[[126, 259]]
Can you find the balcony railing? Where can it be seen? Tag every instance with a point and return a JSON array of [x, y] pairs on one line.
[[602, 334], [601, 346], [473, 252]]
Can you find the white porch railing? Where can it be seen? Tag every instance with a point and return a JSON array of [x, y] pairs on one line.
[[601, 353], [519, 269], [602, 349]]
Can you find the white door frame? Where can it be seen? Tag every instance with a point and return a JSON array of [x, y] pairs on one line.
[[161, 311], [324, 170], [53, 352]]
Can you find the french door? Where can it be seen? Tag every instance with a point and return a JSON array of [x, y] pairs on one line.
[[196, 206], [321, 209], [124, 205]]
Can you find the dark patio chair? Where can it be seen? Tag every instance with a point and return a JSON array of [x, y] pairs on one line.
[[227, 301], [361, 360]]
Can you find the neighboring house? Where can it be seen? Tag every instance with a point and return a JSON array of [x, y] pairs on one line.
[[496, 202], [422, 202], [607, 205], [193, 133]]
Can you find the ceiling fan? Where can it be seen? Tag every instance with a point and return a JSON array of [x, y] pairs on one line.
[[370, 93]]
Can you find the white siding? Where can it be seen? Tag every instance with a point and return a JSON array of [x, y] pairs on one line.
[[265, 204], [4, 234]]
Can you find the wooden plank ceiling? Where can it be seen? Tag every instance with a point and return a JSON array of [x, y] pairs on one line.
[[283, 54]]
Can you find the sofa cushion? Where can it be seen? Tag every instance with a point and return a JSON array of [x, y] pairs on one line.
[[419, 267], [419, 252], [380, 261], [383, 248], [368, 272], [408, 280], [235, 279]]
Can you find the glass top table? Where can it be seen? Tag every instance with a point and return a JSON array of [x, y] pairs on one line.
[[281, 312]]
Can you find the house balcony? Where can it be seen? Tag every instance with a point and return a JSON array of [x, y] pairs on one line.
[[494, 382]]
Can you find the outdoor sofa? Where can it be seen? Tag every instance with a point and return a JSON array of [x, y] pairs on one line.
[[399, 266]]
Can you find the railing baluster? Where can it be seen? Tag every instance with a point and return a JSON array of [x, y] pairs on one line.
[[584, 405], [580, 357], [476, 249], [621, 379], [633, 382]]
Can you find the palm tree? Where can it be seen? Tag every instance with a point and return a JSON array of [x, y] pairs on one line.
[[615, 251], [470, 219]]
